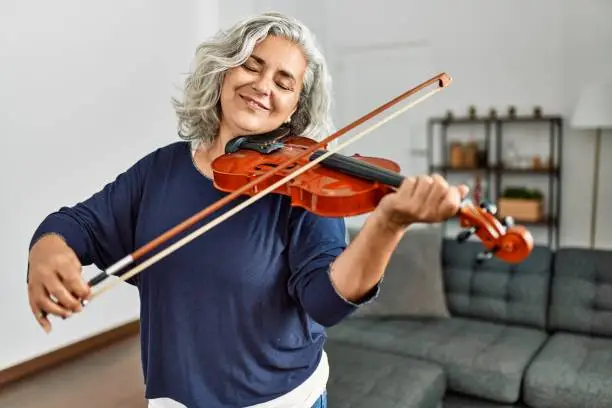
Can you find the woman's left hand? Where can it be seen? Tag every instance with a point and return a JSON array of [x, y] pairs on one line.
[[427, 199]]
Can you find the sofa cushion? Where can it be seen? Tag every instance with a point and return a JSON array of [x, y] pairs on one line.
[[366, 378], [412, 285], [572, 370], [581, 296], [480, 358], [495, 290]]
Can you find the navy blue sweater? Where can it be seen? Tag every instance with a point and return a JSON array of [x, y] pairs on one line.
[[237, 316]]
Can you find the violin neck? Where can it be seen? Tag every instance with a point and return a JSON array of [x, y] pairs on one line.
[[359, 168]]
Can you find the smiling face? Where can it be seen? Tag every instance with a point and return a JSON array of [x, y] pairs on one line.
[[258, 96]]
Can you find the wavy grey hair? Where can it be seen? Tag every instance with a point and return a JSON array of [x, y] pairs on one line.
[[198, 111]]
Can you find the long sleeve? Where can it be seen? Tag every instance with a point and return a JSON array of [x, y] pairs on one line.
[[314, 244], [100, 229]]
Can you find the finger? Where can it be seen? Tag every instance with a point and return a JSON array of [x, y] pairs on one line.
[[405, 192], [75, 284], [47, 305], [40, 317], [421, 189], [57, 289], [407, 186], [43, 321], [437, 178], [442, 200], [424, 198], [463, 191], [452, 203], [69, 270], [42, 299], [439, 190]]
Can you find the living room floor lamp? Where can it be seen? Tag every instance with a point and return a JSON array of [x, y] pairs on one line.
[[594, 112]]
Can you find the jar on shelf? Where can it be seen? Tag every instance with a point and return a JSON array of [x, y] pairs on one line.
[[456, 155], [512, 159], [470, 155]]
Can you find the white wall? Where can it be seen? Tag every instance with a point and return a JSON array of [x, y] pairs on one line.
[[517, 52], [84, 92], [97, 79]]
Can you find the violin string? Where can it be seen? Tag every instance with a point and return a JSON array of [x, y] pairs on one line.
[[195, 234]]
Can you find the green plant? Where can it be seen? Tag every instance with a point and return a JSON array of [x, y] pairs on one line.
[[522, 193]]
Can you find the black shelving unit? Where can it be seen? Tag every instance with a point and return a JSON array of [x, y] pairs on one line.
[[493, 169]]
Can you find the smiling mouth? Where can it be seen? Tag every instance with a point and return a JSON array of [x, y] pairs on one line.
[[254, 104]]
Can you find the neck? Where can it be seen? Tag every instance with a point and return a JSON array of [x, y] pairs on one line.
[[217, 147], [205, 154]]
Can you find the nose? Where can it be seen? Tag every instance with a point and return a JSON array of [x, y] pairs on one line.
[[262, 85]]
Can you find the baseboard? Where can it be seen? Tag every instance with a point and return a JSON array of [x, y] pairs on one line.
[[69, 352]]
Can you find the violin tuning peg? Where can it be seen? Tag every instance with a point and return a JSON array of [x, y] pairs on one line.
[[483, 256], [507, 222], [489, 207], [466, 234]]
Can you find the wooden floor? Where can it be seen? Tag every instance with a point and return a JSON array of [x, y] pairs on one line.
[[108, 378]]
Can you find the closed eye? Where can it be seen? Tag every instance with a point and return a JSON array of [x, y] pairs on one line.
[[248, 68], [284, 74], [285, 87]]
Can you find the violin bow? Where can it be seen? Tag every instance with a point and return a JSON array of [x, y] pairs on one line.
[[442, 80]]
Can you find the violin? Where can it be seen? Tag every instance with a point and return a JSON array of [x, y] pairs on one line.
[[344, 186], [324, 182]]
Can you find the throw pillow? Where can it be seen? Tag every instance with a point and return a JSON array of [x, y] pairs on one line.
[[413, 284]]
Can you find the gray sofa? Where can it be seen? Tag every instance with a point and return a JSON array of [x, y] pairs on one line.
[[537, 334]]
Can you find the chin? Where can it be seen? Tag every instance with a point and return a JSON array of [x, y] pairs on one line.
[[254, 126]]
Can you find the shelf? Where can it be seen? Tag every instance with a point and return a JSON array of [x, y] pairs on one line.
[[543, 221], [461, 120], [498, 169], [547, 221], [531, 119], [466, 120], [518, 170], [450, 169]]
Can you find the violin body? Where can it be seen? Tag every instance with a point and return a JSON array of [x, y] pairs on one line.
[[322, 190]]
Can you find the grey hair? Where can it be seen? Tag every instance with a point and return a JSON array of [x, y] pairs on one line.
[[198, 112]]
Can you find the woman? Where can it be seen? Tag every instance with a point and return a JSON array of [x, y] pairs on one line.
[[237, 317]]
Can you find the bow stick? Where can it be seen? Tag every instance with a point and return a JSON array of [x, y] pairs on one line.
[[443, 80]]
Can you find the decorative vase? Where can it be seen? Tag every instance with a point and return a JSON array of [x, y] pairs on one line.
[[512, 112], [472, 112], [537, 112]]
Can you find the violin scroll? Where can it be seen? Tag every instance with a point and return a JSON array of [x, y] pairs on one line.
[[501, 238], [444, 80]]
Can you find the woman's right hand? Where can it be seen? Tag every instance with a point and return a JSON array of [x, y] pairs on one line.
[[55, 284]]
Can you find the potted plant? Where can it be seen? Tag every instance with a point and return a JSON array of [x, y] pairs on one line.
[[521, 203]]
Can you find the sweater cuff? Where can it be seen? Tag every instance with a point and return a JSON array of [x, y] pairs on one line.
[[371, 295], [330, 307], [66, 228]]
